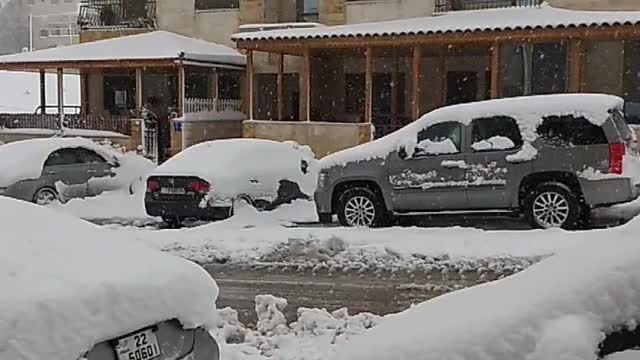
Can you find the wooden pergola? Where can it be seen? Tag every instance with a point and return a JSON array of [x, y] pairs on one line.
[[154, 50], [416, 35]]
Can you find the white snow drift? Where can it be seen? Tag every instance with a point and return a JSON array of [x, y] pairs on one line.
[[558, 309], [67, 285]]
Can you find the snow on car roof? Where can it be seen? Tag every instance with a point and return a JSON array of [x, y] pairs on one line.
[[515, 18], [584, 291], [528, 111], [67, 285], [24, 160], [224, 162]]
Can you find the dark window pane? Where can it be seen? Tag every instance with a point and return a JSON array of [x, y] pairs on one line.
[[631, 78], [567, 131], [620, 340], [217, 4], [89, 157], [549, 68], [511, 70], [441, 132], [489, 134], [62, 157]]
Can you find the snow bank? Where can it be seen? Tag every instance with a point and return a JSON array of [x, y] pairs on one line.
[[583, 291], [244, 167], [528, 112], [625, 355], [67, 285]]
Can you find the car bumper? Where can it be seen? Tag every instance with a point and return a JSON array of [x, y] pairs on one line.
[[323, 201], [605, 192], [185, 209]]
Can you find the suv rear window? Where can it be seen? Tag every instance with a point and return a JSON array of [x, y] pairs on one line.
[[567, 131], [495, 133]]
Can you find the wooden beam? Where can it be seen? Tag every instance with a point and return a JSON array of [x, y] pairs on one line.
[[139, 96], [212, 84], [182, 86], [294, 46], [60, 72], [249, 82], [415, 82], [305, 99], [368, 86], [394, 88], [495, 71], [280, 85], [43, 91], [575, 63], [441, 86], [87, 65], [84, 93]]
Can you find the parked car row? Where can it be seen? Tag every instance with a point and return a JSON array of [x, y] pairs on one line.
[[550, 158]]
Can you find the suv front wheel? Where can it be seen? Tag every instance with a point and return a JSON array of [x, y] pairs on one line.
[[360, 206], [553, 205]]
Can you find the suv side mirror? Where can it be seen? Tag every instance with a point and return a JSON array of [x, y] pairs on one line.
[[402, 152]]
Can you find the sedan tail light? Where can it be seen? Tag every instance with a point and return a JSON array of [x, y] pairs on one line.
[[199, 187], [153, 186]]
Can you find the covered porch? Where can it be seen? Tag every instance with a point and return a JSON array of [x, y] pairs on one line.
[[161, 75], [384, 75]]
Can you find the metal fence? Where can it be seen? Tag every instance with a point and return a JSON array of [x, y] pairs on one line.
[[456, 5], [193, 105], [117, 13], [119, 124]]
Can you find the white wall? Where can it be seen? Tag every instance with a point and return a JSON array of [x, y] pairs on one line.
[[380, 10], [597, 4]]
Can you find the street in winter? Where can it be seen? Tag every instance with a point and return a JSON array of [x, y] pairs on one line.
[[319, 180]]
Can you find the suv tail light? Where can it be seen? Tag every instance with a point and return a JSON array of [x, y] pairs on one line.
[[616, 155], [199, 187], [153, 186]]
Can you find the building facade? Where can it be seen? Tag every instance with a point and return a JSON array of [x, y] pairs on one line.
[[54, 22]]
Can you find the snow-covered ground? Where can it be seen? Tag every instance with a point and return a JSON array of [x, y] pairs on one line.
[[20, 91]]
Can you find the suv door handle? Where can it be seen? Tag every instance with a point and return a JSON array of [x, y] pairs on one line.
[[454, 164]]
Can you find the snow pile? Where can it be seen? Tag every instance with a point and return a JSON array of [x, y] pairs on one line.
[[625, 355], [446, 146], [494, 143], [117, 206], [583, 291], [313, 336], [239, 167], [67, 285], [528, 111]]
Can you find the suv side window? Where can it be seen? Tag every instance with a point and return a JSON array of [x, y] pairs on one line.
[[62, 157], [89, 156], [438, 139], [567, 131], [496, 133], [620, 340]]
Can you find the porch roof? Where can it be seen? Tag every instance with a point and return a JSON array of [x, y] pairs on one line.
[[158, 48], [460, 22]]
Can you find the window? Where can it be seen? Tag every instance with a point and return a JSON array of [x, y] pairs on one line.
[[549, 64], [443, 138], [620, 340], [217, 4], [567, 131], [495, 134], [63, 157], [44, 33], [89, 157], [307, 10]]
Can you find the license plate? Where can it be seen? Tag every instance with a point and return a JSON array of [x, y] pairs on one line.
[[173, 191], [140, 346]]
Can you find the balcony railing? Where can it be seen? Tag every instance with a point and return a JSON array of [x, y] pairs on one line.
[[96, 14], [443, 6]]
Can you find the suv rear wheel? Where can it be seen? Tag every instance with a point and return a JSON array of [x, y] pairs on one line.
[[553, 205], [360, 206]]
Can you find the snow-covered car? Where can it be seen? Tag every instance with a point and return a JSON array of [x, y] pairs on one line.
[[71, 290], [582, 303], [203, 181], [45, 170]]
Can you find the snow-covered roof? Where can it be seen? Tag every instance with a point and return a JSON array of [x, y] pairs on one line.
[[517, 18], [157, 45], [67, 285]]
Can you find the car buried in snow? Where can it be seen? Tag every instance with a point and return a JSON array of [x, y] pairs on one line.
[[71, 290], [203, 181], [46, 170], [551, 158]]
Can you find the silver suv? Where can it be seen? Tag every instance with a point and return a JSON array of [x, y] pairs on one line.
[[551, 157]]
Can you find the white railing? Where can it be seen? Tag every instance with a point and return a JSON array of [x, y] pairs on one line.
[[194, 105]]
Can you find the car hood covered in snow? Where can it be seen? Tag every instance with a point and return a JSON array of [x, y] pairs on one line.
[[244, 166], [24, 160], [559, 309], [67, 285]]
